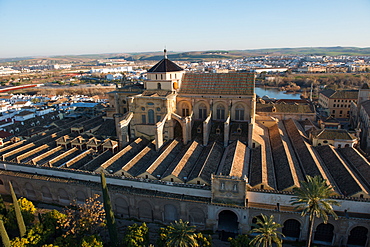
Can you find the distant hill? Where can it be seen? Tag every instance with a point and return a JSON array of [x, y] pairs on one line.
[[193, 55], [318, 51]]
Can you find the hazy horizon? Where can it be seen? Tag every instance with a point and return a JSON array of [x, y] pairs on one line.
[[52, 28]]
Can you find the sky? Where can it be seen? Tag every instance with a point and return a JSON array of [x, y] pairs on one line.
[[74, 27]]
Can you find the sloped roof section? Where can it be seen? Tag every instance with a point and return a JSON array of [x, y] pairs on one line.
[[365, 86], [345, 94], [340, 94], [218, 83], [333, 134], [165, 65], [366, 106], [285, 108], [328, 92]]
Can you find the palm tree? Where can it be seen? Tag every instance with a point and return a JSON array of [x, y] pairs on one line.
[[313, 198], [267, 232], [180, 234]]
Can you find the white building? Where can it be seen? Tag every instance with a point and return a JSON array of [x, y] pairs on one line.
[[116, 76]]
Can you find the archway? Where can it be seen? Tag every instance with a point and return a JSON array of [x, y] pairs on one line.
[[228, 221], [121, 207], [16, 188], [358, 236], [239, 113], [31, 194], [63, 196], [80, 197], [45, 192], [292, 228], [196, 217], [324, 233], [151, 117], [254, 221], [170, 213], [145, 211], [220, 112], [177, 130], [202, 113], [228, 224]]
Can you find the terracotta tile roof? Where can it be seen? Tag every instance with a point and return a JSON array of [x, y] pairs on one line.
[[341, 94], [286, 108], [344, 180], [345, 94], [333, 134], [305, 157], [108, 128], [281, 162], [358, 163], [156, 93], [207, 162], [217, 83], [183, 167]]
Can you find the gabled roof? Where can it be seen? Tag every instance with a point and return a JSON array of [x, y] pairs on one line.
[[333, 134], [365, 86], [156, 93], [345, 94], [328, 92], [285, 108], [218, 83], [165, 65], [341, 94]]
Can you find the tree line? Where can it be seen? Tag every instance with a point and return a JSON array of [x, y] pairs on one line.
[[333, 80]]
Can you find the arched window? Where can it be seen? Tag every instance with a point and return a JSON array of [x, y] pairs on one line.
[[150, 116], [185, 110], [292, 228], [239, 113], [324, 232], [202, 111], [220, 112], [159, 86], [358, 236]]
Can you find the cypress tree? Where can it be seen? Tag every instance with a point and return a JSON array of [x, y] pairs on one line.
[[111, 221], [18, 213], [4, 234]]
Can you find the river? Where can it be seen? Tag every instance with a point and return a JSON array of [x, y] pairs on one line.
[[275, 93]]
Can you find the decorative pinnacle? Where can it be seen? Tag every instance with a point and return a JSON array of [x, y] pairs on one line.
[[165, 53]]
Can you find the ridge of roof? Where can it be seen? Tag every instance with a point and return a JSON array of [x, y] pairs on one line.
[[218, 83], [165, 65]]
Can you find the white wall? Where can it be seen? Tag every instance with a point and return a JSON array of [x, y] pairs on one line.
[[284, 200], [121, 182]]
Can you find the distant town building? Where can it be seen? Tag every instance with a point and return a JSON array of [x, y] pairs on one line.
[[337, 103], [116, 76]]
